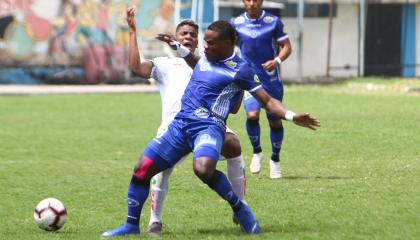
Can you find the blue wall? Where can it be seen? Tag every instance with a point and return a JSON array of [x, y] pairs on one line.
[[408, 40]]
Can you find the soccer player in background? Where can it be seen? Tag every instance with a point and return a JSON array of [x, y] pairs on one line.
[[260, 33], [199, 127], [171, 76]]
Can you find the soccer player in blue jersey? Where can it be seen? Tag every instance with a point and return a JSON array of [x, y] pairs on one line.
[[260, 34], [213, 91]]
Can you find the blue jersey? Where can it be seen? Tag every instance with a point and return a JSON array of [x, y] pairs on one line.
[[214, 89], [258, 41]]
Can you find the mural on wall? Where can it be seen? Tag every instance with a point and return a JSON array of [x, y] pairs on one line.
[[73, 41]]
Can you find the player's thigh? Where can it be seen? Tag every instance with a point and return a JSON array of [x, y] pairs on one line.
[[208, 142], [251, 104], [170, 146]]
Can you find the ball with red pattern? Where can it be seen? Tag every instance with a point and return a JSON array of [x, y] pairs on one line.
[[50, 214]]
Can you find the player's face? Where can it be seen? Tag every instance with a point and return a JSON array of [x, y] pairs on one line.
[[253, 7], [215, 47], [187, 36]]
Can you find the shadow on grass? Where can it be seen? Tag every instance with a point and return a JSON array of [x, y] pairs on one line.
[[209, 232], [316, 178]]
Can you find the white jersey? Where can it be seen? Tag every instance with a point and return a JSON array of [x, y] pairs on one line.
[[171, 76]]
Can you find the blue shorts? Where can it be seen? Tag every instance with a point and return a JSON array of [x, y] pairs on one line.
[[274, 89], [203, 138]]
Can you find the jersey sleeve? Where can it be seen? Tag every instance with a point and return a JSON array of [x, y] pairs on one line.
[[280, 35], [232, 21], [156, 72], [247, 79]]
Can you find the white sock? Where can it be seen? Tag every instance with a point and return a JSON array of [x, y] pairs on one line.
[[159, 190], [236, 175]]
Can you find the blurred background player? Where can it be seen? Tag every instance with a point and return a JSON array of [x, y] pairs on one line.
[[213, 92], [171, 76], [260, 34]]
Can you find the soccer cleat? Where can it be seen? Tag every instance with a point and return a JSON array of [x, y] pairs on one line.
[[155, 229], [247, 221], [275, 170], [126, 229], [255, 166]]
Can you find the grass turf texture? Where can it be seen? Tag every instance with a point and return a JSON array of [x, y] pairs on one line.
[[355, 178]]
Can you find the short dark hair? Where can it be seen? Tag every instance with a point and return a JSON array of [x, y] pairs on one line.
[[188, 22], [224, 29]]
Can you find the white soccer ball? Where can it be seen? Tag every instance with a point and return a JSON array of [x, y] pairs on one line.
[[50, 214]]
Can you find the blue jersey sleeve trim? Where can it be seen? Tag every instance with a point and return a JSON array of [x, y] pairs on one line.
[[282, 38], [255, 88]]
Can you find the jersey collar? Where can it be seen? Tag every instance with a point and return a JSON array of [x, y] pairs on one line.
[[229, 58], [261, 16]]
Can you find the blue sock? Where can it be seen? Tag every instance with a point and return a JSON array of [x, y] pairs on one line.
[[138, 191], [253, 129], [276, 136], [220, 184]]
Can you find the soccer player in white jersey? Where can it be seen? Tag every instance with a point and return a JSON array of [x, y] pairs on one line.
[[171, 76]]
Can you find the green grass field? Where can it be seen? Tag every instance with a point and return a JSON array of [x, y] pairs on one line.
[[358, 177]]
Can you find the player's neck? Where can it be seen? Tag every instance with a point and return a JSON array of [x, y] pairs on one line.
[[228, 56], [254, 16]]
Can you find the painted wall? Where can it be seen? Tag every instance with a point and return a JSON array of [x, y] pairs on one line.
[[344, 48], [74, 40]]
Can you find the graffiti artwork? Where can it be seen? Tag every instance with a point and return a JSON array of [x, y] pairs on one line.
[[80, 41]]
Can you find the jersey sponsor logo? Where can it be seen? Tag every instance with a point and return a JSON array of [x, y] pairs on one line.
[[253, 25], [256, 78], [239, 20], [202, 113], [231, 63], [268, 19]]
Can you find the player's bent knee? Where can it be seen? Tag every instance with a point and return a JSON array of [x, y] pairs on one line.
[[253, 116], [275, 124], [231, 146], [145, 170], [204, 168]]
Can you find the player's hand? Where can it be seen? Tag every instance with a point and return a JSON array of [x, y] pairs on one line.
[[306, 120], [270, 65], [131, 20], [169, 39]]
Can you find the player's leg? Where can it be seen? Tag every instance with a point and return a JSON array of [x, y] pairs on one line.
[[206, 153], [160, 188], [231, 150], [138, 191], [162, 153], [276, 132], [253, 108], [276, 137]]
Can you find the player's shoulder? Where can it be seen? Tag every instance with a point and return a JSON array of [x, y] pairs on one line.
[[240, 65], [238, 20], [269, 18]]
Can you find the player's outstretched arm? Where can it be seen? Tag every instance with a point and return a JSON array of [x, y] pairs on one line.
[[141, 68], [184, 52], [276, 107]]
